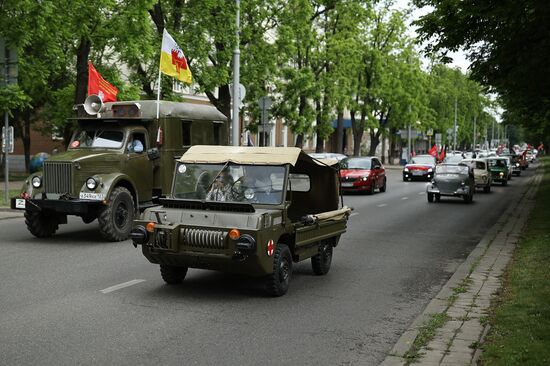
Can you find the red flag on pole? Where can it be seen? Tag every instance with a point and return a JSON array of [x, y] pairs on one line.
[[433, 151], [99, 86], [442, 155]]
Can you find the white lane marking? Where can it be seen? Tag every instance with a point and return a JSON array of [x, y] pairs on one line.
[[404, 198], [421, 193], [382, 204], [355, 213], [121, 285]]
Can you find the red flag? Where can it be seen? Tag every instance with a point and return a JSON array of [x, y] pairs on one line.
[[99, 86], [433, 151], [442, 155]]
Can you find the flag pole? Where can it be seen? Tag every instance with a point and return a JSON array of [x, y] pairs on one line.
[[158, 95]]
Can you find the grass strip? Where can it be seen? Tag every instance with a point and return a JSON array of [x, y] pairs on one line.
[[520, 315], [426, 333]]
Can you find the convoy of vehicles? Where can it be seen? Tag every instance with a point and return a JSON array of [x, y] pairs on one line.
[[119, 161], [248, 210]]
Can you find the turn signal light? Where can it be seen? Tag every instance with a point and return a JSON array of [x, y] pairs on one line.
[[234, 234], [151, 227]]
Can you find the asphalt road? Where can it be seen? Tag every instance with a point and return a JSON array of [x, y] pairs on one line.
[[58, 305]]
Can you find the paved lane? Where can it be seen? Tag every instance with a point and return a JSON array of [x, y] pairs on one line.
[[73, 299]]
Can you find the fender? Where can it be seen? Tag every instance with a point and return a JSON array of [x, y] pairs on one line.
[[108, 182]]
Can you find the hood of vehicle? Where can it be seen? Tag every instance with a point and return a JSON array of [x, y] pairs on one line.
[[86, 155], [450, 177], [419, 166], [354, 173]]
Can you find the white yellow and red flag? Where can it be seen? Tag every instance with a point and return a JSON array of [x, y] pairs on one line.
[[173, 61]]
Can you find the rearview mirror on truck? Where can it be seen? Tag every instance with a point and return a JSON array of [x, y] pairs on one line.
[[153, 153]]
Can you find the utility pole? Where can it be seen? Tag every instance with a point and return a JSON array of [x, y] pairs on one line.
[[454, 133], [492, 134], [474, 143], [235, 137], [409, 138], [8, 60]]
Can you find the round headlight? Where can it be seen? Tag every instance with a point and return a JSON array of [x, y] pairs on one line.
[[36, 182], [249, 194], [91, 183]]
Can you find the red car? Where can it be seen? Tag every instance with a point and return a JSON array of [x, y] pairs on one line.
[[364, 174], [420, 167]]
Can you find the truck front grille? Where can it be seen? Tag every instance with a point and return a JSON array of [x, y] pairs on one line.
[[204, 238], [58, 177]]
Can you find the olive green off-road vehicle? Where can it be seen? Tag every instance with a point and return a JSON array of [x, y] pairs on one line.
[[248, 210], [118, 162]]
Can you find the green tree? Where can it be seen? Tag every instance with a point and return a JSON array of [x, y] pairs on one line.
[[509, 46]]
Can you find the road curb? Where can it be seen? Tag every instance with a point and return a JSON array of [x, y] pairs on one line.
[[481, 270]]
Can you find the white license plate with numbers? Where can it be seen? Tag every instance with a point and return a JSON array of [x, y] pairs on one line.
[[92, 196]]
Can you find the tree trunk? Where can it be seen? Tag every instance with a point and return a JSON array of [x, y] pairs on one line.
[[374, 140], [82, 54], [358, 129], [320, 147], [300, 140], [26, 137], [320, 143], [340, 132]]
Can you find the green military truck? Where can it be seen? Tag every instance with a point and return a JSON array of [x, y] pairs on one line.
[[248, 210], [120, 160]]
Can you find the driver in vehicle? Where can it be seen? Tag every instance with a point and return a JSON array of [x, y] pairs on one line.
[[221, 188]]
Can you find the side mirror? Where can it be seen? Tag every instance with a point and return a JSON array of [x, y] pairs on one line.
[[153, 153]]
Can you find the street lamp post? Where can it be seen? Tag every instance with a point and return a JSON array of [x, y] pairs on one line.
[[236, 81], [454, 133]]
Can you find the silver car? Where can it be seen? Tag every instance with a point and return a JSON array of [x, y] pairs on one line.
[[452, 180]]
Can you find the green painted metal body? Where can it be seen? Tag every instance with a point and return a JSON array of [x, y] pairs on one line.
[[182, 125], [195, 233]]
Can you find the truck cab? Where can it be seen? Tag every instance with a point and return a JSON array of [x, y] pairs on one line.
[[118, 162]]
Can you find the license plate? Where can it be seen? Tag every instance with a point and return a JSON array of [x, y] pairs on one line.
[[92, 196], [418, 172], [347, 184], [20, 203]]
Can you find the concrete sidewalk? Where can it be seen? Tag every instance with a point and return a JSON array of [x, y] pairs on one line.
[[464, 301]]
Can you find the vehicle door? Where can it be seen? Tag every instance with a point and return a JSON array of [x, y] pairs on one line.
[[138, 166], [379, 172]]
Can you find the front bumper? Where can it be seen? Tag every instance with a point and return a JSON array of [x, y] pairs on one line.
[[67, 207], [356, 186], [418, 174]]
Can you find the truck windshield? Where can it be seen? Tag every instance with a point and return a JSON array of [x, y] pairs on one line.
[[230, 183], [110, 139]]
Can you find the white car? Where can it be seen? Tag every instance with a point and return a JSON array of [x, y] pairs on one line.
[[482, 175]]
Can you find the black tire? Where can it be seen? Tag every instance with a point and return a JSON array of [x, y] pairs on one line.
[[372, 188], [384, 187], [41, 225], [404, 179], [487, 189], [437, 197], [115, 219], [279, 279], [320, 263], [430, 197], [173, 275], [504, 182]]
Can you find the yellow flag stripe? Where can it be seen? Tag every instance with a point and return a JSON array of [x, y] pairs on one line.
[[168, 68]]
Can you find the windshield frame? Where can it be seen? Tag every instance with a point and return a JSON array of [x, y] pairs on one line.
[[451, 166], [423, 157], [81, 129], [237, 203]]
